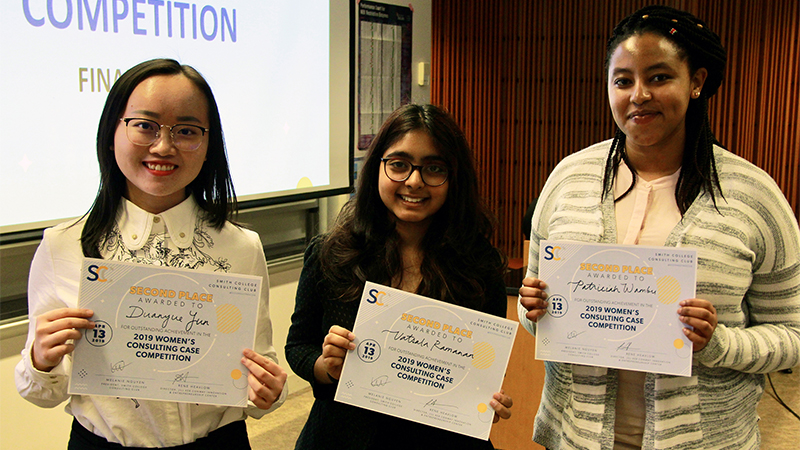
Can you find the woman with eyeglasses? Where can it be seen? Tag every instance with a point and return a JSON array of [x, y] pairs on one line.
[[165, 199], [416, 223]]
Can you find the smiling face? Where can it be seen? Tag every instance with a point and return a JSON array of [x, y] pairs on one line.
[[157, 175], [649, 89], [412, 202]]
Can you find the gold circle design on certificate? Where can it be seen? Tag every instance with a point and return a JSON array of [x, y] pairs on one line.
[[669, 289], [485, 413], [229, 318], [239, 379], [483, 355]]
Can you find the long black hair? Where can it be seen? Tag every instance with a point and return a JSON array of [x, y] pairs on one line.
[[363, 244], [212, 188], [702, 48]]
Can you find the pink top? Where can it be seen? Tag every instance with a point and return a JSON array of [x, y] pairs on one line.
[[651, 212], [651, 207]]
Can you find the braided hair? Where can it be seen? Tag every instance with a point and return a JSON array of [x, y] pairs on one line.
[[702, 48]]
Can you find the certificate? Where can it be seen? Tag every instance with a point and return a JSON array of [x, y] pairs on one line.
[[426, 361], [164, 334], [616, 306]]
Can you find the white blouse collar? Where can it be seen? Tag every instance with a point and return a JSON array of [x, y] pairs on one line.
[[136, 224]]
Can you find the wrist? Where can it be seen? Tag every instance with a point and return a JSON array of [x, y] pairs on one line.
[[38, 365]]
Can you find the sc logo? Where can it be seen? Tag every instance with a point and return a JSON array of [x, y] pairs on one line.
[[375, 297], [551, 253], [97, 273]]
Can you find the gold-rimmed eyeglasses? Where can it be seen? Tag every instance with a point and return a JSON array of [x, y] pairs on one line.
[[145, 132]]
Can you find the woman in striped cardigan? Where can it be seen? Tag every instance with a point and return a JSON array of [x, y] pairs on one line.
[[664, 180]]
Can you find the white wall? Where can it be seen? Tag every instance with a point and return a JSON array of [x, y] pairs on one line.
[[420, 46], [23, 425]]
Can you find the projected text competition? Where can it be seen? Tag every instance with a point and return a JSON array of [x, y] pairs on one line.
[[182, 20]]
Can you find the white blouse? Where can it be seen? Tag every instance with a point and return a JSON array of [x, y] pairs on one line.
[[178, 237]]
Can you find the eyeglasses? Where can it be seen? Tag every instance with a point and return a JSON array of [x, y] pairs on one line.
[[144, 132], [400, 170]]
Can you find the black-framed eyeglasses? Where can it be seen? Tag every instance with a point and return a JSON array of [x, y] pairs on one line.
[[400, 170], [145, 132]]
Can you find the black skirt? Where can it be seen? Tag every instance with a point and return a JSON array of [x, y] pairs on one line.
[[231, 436]]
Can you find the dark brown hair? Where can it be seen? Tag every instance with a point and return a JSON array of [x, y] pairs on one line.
[[363, 244]]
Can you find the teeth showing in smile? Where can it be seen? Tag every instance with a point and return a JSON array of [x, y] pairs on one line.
[[160, 167], [640, 114], [411, 199]]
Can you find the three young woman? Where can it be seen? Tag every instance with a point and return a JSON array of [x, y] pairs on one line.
[[665, 181], [165, 199], [416, 223]]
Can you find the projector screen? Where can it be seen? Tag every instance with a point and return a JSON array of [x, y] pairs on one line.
[[280, 71]]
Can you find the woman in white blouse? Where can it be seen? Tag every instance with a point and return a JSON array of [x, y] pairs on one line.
[[165, 199]]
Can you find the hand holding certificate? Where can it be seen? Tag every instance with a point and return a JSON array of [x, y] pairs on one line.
[[426, 361], [616, 306], [165, 334]]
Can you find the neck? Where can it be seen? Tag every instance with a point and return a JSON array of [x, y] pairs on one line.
[[659, 158], [411, 253], [411, 234], [651, 164], [154, 204]]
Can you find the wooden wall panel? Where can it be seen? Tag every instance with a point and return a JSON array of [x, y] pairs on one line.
[[525, 80]]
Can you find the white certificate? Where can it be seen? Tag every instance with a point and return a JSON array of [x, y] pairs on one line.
[[165, 334], [616, 306], [426, 361]]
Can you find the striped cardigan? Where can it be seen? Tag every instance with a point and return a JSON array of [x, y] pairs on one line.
[[748, 267]]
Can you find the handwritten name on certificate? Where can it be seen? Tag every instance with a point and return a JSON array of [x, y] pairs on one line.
[[426, 361], [165, 334], [616, 306]]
